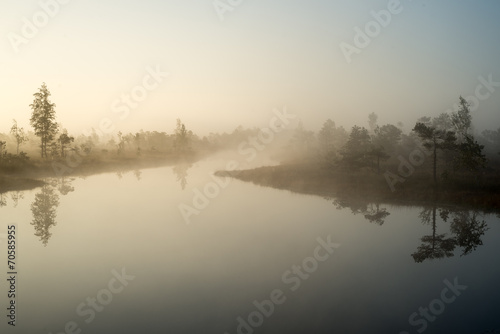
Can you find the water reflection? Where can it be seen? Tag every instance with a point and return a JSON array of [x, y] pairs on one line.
[[466, 231], [434, 246], [44, 210], [64, 186], [181, 172], [16, 196], [373, 212], [137, 173], [3, 201], [466, 227], [376, 215]]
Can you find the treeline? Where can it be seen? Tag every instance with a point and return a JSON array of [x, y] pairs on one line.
[[446, 147], [48, 141]]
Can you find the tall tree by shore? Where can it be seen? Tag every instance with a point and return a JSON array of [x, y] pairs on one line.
[[43, 118], [435, 140]]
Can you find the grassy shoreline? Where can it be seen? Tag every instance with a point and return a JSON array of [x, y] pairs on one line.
[[31, 175], [314, 179]]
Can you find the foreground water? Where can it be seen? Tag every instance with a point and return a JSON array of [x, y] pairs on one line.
[[144, 252]]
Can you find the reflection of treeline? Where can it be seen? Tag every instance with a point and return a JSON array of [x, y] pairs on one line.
[[466, 227], [466, 231], [446, 147]]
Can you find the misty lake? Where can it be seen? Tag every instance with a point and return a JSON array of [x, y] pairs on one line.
[[122, 259]]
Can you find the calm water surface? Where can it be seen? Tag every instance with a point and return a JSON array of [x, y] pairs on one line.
[[252, 260]]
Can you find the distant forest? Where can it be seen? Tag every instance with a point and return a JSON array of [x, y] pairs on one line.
[[447, 145]]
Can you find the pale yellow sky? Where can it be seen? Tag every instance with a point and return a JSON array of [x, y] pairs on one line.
[[224, 73]]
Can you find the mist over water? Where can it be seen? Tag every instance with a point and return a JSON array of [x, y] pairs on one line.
[[247, 243]]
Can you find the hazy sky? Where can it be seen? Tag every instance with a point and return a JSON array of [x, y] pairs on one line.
[[263, 55]]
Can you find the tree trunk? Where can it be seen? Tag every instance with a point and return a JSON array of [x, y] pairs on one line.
[[435, 164]]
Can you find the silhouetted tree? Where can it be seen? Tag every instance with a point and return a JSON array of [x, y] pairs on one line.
[[384, 142], [19, 135], [43, 118], [64, 141], [328, 140], [121, 143], [3, 145], [181, 142], [326, 137], [372, 122], [388, 136], [443, 122], [462, 120], [492, 139], [470, 155], [137, 139], [435, 140], [379, 154], [357, 151]]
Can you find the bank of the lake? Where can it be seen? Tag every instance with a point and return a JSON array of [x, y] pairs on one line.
[[30, 175], [417, 189]]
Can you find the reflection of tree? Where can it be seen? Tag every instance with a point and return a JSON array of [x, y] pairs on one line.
[[16, 196], [138, 174], [433, 246], [65, 186], [44, 209], [181, 173], [376, 215], [371, 211], [465, 227], [468, 230], [3, 201]]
